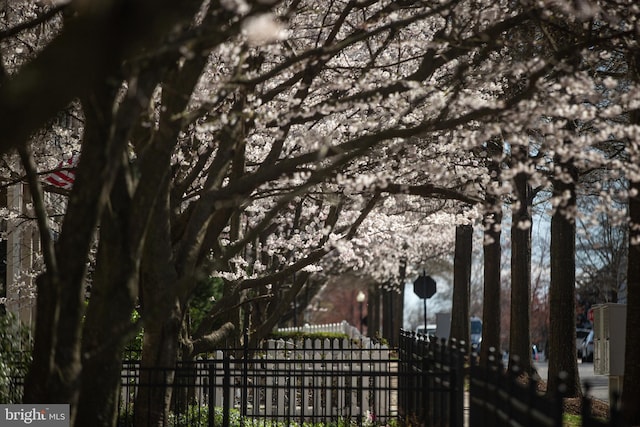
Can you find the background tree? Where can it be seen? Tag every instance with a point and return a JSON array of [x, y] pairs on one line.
[[462, 284], [519, 330], [602, 248], [492, 250], [562, 340]]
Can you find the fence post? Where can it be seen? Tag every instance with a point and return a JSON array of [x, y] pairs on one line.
[[226, 389], [559, 396], [400, 373], [614, 412], [585, 408], [474, 388], [531, 395], [424, 391], [245, 375], [457, 385], [210, 386]]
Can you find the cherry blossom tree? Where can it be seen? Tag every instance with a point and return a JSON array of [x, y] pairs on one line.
[[250, 140]]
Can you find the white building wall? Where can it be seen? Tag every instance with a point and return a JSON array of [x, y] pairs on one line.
[[22, 247]]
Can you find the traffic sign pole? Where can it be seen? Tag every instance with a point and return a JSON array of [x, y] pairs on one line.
[[424, 287]]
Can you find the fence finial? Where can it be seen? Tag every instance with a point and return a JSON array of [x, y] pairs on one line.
[[562, 383]]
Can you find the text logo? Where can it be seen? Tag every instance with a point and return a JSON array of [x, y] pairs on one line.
[[34, 415]]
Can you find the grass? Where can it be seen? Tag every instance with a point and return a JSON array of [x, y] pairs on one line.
[[570, 420]]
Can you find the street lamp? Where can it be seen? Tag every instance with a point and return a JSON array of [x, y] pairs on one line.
[[360, 298]]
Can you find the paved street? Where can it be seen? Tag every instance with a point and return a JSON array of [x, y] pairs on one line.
[[599, 383]]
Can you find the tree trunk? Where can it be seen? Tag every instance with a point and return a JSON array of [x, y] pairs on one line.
[[373, 313], [54, 376], [157, 370], [398, 315], [491, 304], [562, 317], [631, 384], [461, 284], [398, 305], [162, 315], [491, 307], [519, 340], [107, 325], [47, 312], [387, 314]]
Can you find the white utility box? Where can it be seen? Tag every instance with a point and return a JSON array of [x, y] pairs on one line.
[[609, 337], [443, 325], [609, 328]]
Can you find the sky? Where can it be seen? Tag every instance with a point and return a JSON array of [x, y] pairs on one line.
[[440, 302]]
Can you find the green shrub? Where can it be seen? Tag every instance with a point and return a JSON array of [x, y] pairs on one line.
[[197, 416], [16, 345]]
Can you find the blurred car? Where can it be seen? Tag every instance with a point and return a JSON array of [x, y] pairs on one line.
[[587, 348], [475, 329], [581, 334], [431, 330], [536, 355]]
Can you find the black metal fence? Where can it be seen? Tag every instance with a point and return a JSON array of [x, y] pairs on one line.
[[502, 398], [284, 383], [498, 399], [333, 383], [431, 381], [339, 383]]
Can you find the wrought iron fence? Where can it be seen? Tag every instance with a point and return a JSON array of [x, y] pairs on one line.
[[500, 397], [287, 383], [497, 399], [338, 383], [311, 382], [431, 381]]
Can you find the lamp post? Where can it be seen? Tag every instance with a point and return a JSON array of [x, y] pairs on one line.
[[360, 298]]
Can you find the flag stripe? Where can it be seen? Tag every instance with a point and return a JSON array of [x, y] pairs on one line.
[[65, 177]]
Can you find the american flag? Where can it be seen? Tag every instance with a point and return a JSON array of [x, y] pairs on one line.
[[64, 174]]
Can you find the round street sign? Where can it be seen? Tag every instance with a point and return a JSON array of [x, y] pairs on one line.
[[424, 286]]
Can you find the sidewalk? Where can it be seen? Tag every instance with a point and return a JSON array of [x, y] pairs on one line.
[[467, 407]]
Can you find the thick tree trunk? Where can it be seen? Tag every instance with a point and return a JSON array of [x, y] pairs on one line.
[[631, 384], [47, 312], [491, 307], [107, 325], [462, 283], [562, 317], [159, 357], [54, 376], [162, 315], [398, 315], [519, 338], [398, 305], [492, 221]]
